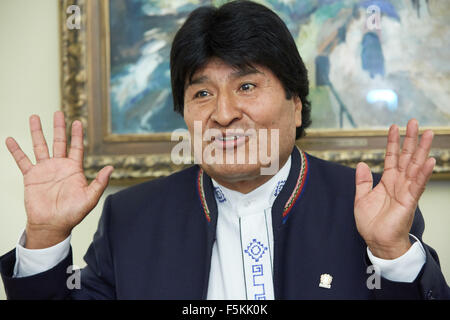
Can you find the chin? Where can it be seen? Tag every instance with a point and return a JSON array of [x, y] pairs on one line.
[[233, 172]]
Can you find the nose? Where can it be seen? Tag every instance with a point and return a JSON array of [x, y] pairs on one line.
[[227, 111]]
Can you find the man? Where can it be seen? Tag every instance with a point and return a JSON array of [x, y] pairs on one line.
[[224, 230]]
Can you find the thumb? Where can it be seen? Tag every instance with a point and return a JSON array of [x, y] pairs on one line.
[[363, 180], [98, 185]]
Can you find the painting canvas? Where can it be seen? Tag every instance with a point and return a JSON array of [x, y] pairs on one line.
[[371, 63]]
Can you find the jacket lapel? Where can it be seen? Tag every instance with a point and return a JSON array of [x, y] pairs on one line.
[[282, 210], [209, 206]]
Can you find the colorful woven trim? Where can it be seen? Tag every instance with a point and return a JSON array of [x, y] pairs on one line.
[[201, 193], [287, 207], [298, 186]]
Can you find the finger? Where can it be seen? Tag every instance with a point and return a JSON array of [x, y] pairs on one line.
[[76, 145], [59, 135], [23, 162], [98, 185], [392, 149], [409, 144], [37, 137], [420, 155], [418, 186], [363, 180]]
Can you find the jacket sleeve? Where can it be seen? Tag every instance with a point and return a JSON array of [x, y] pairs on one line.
[[429, 284], [95, 281]]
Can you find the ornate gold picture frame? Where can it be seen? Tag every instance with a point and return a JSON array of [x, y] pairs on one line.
[[85, 55]]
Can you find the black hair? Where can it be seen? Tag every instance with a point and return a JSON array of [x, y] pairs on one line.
[[242, 34]]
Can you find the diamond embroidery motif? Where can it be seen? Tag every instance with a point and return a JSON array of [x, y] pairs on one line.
[[256, 250], [278, 188], [219, 195]]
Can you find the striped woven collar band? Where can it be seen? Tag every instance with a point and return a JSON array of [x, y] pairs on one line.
[[298, 186], [300, 183], [201, 192]]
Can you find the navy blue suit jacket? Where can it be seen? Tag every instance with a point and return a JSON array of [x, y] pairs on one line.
[[154, 241]]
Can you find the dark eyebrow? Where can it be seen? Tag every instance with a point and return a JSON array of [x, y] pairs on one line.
[[235, 75], [244, 72], [198, 80]]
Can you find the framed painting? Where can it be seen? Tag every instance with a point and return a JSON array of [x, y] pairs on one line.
[[371, 63]]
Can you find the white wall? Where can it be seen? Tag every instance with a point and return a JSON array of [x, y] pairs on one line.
[[29, 84]]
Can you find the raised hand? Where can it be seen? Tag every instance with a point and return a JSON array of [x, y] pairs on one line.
[[57, 195], [384, 214]]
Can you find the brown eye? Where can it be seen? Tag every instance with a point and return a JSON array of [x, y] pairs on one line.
[[247, 87], [201, 94]]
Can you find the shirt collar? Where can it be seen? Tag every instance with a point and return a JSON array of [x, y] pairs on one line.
[[255, 201]]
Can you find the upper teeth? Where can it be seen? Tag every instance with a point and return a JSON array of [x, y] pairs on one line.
[[228, 138]]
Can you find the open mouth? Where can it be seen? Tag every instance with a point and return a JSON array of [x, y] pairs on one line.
[[229, 141]]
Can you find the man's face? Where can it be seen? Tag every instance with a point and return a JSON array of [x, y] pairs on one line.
[[236, 106]]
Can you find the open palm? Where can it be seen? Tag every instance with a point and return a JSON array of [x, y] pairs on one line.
[[57, 195], [384, 214]]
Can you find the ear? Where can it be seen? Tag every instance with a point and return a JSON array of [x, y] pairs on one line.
[[298, 111]]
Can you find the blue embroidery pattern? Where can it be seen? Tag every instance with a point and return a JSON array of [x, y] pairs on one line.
[[278, 188], [256, 250], [257, 271], [219, 195]]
